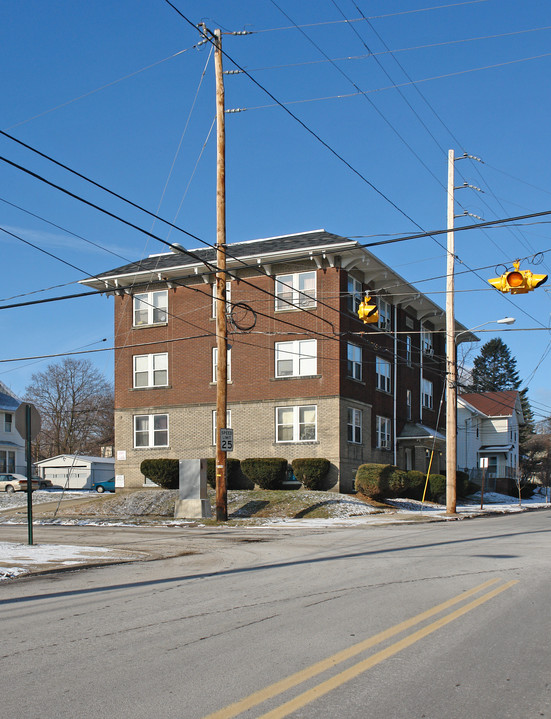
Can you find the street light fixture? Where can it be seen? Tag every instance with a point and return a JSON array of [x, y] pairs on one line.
[[451, 415]]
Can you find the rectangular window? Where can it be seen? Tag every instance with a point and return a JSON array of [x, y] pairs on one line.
[[215, 364], [383, 374], [8, 422], [215, 301], [7, 461], [354, 425], [385, 317], [408, 350], [150, 308], [151, 430], [384, 436], [228, 424], [355, 294], [296, 424], [426, 341], [296, 359], [426, 393], [151, 370], [408, 404], [354, 361], [295, 291]]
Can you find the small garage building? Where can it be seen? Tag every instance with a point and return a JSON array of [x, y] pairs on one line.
[[75, 471]]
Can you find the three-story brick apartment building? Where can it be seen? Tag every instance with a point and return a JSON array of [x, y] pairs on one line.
[[306, 378]]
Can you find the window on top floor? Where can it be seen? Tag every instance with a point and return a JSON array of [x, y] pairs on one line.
[[408, 351], [385, 314], [355, 294], [427, 344], [8, 422], [295, 291], [215, 300], [150, 308]]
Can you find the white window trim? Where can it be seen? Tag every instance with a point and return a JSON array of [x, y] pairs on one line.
[[385, 315], [150, 370], [409, 350], [228, 424], [150, 307], [291, 285], [215, 301], [215, 364], [296, 424], [8, 423], [353, 363], [427, 394], [409, 404], [384, 381], [297, 350], [151, 431], [426, 341], [355, 294], [354, 422], [384, 434]]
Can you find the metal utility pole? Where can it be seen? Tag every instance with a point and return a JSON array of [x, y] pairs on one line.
[[451, 358], [221, 327]]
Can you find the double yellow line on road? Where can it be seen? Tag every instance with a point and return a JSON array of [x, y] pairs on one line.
[[325, 687]]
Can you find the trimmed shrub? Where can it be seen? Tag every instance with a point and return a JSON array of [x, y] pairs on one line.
[[372, 480], [437, 487], [235, 479], [462, 483], [164, 472], [398, 484], [311, 471], [416, 484], [267, 473]]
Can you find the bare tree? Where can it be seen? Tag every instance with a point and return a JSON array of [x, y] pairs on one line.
[[75, 402]]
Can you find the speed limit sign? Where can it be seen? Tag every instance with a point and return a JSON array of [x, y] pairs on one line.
[[226, 440]]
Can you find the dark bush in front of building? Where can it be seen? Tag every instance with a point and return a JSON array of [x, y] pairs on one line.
[[235, 479], [267, 473], [437, 488], [164, 472], [416, 484], [311, 471]]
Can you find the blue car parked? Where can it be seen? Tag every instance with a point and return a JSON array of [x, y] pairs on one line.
[[105, 485]]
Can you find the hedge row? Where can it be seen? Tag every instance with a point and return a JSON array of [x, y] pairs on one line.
[[380, 481], [267, 473]]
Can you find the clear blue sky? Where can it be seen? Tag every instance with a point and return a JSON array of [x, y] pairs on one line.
[[472, 76]]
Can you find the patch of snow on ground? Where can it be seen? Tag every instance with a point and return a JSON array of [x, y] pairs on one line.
[[19, 499], [23, 556]]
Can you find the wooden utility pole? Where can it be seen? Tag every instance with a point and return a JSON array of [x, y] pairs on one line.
[[451, 358], [221, 327]]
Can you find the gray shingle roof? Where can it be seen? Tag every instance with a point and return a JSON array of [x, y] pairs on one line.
[[257, 248]]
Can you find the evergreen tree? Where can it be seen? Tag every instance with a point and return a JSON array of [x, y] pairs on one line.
[[494, 370]]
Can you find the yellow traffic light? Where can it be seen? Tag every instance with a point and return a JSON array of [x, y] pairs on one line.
[[518, 282], [367, 311]]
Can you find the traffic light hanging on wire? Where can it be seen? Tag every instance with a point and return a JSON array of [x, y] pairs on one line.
[[518, 282], [367, 311]]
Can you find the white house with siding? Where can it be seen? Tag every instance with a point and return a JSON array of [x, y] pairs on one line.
[[12, 445], [488, 427]]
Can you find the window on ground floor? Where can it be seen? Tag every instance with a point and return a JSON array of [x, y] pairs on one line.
[[354, 425], [151, 430], [384, 436], [296, 424]]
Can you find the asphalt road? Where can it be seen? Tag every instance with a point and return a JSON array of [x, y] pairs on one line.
[[401, 622]]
